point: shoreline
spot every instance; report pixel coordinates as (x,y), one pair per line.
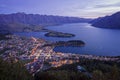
(35,54)
(73,53)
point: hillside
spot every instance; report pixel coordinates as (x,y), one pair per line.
(18,22)
(112,21)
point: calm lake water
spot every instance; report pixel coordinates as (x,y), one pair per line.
(98,41)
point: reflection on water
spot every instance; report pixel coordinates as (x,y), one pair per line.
(98,41)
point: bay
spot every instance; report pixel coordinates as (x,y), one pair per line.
(99,41)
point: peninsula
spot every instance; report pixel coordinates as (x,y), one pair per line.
(73,43)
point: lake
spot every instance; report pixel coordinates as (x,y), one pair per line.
(99,41)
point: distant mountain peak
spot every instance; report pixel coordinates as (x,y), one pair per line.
(20,13)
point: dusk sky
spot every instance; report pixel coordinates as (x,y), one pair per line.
(78,8)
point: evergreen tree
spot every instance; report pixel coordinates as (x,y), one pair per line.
(13,71)
(114,74)
(98,75)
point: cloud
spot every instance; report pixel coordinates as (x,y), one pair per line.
(107,5)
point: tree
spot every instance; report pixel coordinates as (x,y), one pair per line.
(114,74)
(98,75)
(13,71)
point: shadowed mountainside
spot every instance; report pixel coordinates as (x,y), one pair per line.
(18,22)
(112,21)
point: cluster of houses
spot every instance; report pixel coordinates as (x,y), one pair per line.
(37,56)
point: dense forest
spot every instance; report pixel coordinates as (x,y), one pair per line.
(13,71)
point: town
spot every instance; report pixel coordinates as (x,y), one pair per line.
(37,57)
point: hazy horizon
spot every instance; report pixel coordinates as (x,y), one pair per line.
(78,8)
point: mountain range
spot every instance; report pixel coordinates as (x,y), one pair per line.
(18,22)
(112,21)
(22,22)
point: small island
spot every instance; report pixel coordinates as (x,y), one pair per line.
(59,34)
(72,43)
